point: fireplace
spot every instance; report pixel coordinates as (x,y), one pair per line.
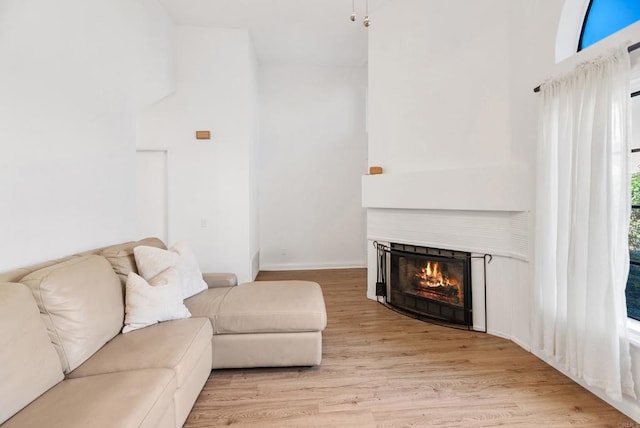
(431,282)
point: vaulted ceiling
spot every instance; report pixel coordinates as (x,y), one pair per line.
(311,32)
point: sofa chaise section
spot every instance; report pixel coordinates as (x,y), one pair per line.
(264,323)
(255,324)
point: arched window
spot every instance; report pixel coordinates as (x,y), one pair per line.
(605,17)
(588,22)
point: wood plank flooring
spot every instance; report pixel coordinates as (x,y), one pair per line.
(382,369)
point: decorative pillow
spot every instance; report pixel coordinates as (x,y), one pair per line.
(147,303)
(121,256)
(193,283)
(151,261)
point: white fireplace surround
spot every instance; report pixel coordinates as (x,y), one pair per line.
(478,210)
(483,188)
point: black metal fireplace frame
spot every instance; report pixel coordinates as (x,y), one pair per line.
(438,254)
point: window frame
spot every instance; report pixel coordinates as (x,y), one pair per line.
(584,25)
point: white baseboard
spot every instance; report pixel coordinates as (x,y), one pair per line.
(255,265)
(311,266)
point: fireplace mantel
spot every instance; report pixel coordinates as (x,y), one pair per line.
(484,210)
(492,188)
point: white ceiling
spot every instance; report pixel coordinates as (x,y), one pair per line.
(313,32)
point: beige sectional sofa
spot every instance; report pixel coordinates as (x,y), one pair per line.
(64,362)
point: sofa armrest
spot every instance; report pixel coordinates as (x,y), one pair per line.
(215,280)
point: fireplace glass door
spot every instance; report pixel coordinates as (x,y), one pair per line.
(432,282)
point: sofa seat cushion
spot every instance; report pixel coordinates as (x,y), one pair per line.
(129,399)
(29,363)
(207,303)
(176,345)
(271,307)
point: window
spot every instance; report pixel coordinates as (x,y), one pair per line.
(605,17)
(633,283)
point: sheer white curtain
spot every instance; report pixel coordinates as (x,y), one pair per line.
(582,219)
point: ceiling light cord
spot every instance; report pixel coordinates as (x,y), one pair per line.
(353,16)
(366,14)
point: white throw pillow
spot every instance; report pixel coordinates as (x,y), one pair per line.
(151,261)
(192,282)
(147,303)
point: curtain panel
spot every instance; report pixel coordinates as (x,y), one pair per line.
(582,219)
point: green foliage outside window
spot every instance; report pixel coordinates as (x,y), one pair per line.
(633,283)
(635,189)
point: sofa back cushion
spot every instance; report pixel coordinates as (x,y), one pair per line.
(29,364)
(122,259)
(81,304)
(16,275)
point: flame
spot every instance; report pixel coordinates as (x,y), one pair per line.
(431,282)
(432,276)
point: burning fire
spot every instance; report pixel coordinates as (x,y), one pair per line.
(431,276)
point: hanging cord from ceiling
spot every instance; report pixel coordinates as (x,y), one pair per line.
(366,14)
(353,16)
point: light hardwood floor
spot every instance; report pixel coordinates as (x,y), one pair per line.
(382,369)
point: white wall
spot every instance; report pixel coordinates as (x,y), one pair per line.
(313,152)
(72,74)
(440,127)
(254,190)
(151,194)
(209,181)
(438,78)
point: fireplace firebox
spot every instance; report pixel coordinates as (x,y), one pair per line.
(431,282)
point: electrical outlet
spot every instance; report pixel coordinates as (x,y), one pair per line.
(204,223)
